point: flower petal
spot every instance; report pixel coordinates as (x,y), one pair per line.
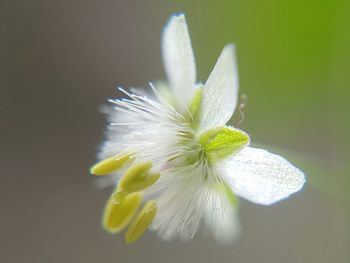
(224,224)
(262,177)
(220,91)
(178,59)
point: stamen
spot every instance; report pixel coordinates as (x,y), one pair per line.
(241,107)
(138,178)
(110,165)
(118,215)
(142,106)
(141,222)
(118,196)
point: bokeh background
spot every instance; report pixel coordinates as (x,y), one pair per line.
(61,60)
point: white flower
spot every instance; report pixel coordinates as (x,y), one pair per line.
(175,152)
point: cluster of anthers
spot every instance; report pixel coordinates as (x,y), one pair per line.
(175,162)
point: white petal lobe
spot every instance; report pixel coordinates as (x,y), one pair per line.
(179,60)
(223,223)
(262,177)
(220,91)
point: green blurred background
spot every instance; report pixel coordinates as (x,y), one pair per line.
(61,59)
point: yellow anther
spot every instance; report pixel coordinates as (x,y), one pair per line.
(134,173)
(111,164)
(137,178)
(118,196)
(143,183)
(141,222)
(118,215)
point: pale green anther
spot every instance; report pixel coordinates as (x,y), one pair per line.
(135,171)
(111,164)
(118,196)
(117,216)
(219,143)
(143,182)
(195,106)
(137,178)
(141,222)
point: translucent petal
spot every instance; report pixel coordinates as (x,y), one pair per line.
(262,177)
(178,59)
(220,91)
(223,222)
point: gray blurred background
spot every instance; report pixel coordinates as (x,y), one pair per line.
(61,60)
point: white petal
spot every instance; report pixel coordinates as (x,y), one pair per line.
(224,224)
(178,59)
(262,177)
(220,91)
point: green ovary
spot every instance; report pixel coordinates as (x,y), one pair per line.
(221,142)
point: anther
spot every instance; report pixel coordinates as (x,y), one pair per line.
(118,196)
(111,164)
(118,215)
(137,178)
(141,222)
